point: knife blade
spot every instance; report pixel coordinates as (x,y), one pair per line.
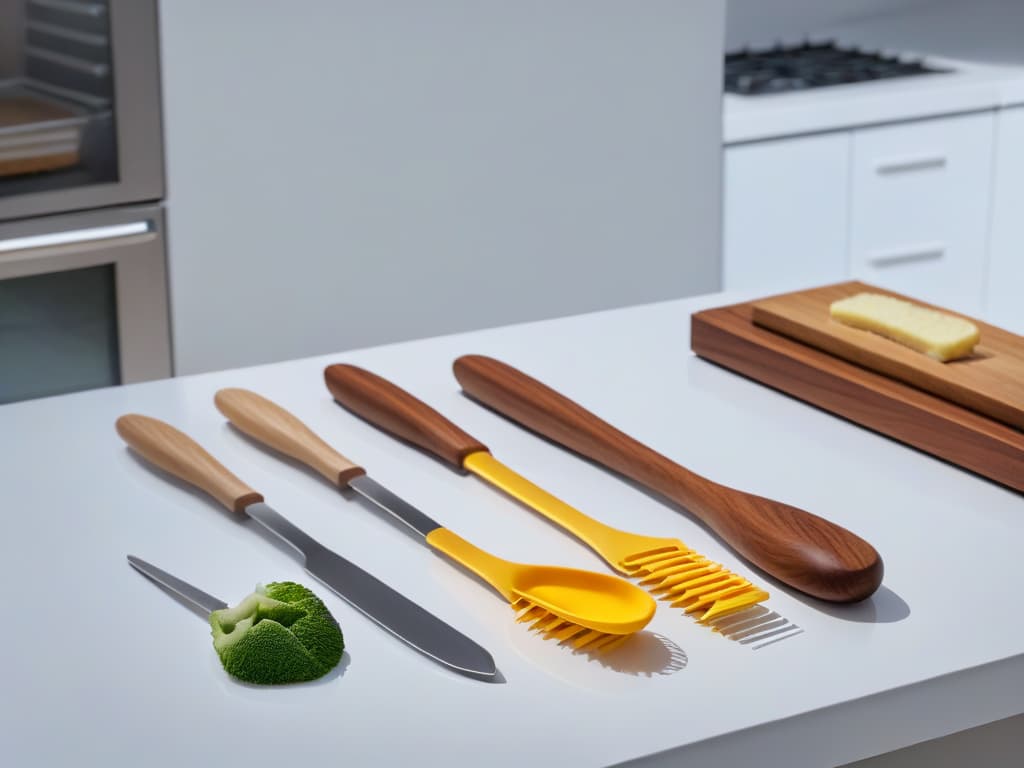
(183,589)
(379,602)
(176,453)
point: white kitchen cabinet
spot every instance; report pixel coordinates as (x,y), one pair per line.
(905,206)
(919,208)
(786,210)
(1006,241)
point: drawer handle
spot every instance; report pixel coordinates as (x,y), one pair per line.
(906,164)
(927,252)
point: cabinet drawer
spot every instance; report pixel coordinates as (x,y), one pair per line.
(919,208)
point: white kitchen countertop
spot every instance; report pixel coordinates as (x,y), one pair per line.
(970,87)
(103,668)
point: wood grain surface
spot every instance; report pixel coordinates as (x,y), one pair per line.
(177,453)
(801,549)
(991,381)
(267,422)
(729,337)
(394,410)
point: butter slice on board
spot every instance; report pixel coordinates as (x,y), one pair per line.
(936,334)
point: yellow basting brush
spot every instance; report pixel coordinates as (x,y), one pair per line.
(667,567)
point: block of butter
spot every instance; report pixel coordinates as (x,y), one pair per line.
(936,334)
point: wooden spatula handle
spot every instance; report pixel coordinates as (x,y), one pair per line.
(272,425)
(396,411)
(803,550)
(177,453)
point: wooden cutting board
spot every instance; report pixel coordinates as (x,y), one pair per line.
(991,381)
(728,336)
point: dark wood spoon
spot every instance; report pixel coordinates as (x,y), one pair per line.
(800,549)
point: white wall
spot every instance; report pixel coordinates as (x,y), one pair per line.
(344,173)
(764,22)
(976,30)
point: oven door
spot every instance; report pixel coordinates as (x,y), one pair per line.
(83,302)
(100,60)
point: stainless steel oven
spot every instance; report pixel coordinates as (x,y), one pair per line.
(89,68)
(83,302)
(83,289)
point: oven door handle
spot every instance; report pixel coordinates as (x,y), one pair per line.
(73,237)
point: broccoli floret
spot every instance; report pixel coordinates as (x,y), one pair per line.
(281,633)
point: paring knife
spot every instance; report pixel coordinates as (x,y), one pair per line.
(178,454)
(183,589)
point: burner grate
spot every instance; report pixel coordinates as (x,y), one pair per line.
(811,65)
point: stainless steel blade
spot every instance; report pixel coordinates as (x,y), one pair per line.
(196,596)
(370,489)
(379,602)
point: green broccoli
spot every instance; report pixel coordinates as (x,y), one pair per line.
(281,633)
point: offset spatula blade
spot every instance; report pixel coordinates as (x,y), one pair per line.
(194,595)
(401,617)
(373,598)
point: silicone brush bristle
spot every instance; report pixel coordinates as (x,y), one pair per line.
(553,627)
(690,581)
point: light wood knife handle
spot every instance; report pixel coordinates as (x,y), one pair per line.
(177,453)
(801,549)
(270,424)
(394,410)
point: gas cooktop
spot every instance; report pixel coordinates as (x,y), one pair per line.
(811,65)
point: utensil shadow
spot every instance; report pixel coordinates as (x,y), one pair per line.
(883,607)
(645,654)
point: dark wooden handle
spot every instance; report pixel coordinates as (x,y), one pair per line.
(800,549)
(177,453)
(396,411)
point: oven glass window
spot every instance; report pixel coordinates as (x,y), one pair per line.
(57,127)
(58,333)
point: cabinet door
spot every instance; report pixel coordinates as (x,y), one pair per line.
(786,208)
(919,208)
(1005,304)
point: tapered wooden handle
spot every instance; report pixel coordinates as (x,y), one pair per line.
(801,549)
(396,411)
(180,455)
(272,425)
